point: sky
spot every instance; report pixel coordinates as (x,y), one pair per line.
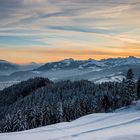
(52,30)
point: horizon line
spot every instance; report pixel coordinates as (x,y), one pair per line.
(67,59)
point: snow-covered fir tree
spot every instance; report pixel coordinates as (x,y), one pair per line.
(128,93)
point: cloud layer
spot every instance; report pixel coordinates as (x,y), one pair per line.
(68,28)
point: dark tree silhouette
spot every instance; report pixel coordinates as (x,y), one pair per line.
(138,88)
(130,74)
(128,91)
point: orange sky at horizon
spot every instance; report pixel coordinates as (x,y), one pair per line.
(44,55)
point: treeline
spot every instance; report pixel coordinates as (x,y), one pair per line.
(40,102)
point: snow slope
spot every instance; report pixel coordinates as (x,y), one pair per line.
(110,78)
(124,124)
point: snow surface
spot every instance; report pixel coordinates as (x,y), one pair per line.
(123,124)
(138,105)
(118,78)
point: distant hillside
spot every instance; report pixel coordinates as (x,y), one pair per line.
(7,66)
(113,69)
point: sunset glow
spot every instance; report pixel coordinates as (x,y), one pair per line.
(51,30)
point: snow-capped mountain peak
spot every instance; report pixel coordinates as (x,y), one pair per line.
(67,61)
(90,63)
(120,61)
(7,66)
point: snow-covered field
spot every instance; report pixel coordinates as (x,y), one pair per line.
(121,125)
(110,78)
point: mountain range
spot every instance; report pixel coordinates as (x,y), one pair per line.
(89,64)
(112,69)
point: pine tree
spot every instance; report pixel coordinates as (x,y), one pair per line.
(19,122)
(138,88)
(129,93)
(130,75)
(8,124)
